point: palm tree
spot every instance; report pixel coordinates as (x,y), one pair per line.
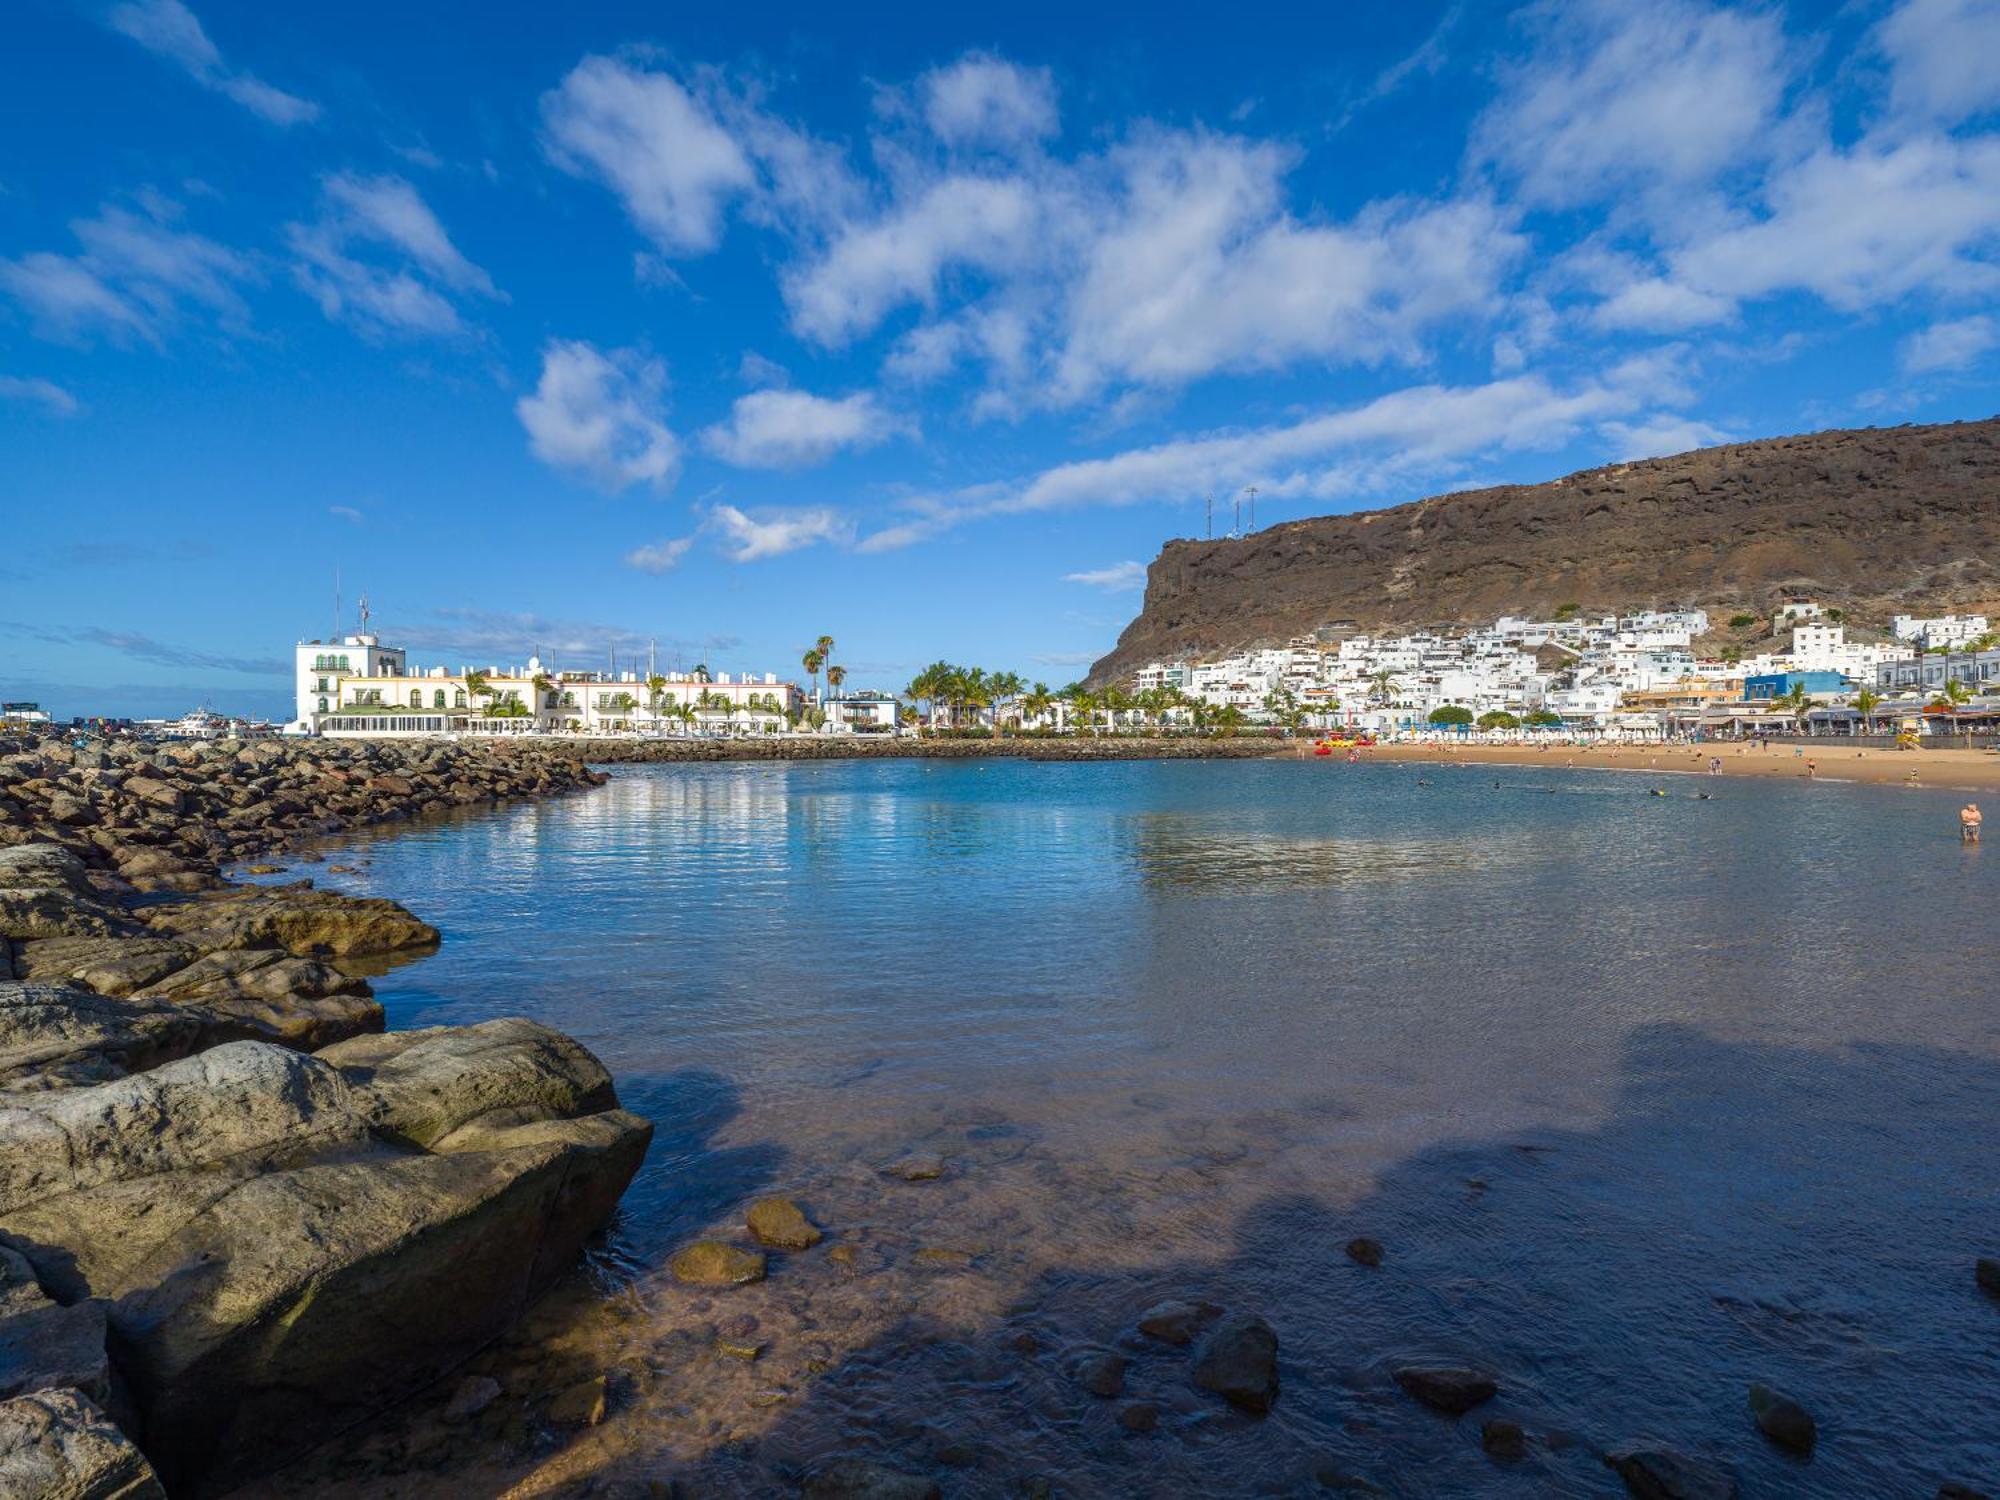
(1003,686)
(1800,703)
(701,672)
(1038,701)
(823,647)
(656,687)
(1385,688)
(835,677)
(812,661)
(476,687)
(1116,701)
(1229,718)
(1083,703)
(1864,704)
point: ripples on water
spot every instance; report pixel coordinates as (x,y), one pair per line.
(1647,1097)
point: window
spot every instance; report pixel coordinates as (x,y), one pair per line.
(437,699)
(458,698)
(322,705)
(416,697)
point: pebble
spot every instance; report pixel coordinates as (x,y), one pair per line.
(1503,1439)
(580,1405)
(474,1394)
(1238,1360)
(1654,1474)
(712,1263)
(1138,1416)
(1783,1420)
(1103,1375)
(1177,1323)
(782,1224)
(919,1166)
(1446,1389)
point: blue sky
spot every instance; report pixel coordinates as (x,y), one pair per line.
(582,326)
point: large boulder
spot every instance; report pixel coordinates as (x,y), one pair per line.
(307,922)
(45,892)
(55,1445)
(445,1087)
(57,1036)
(111,966)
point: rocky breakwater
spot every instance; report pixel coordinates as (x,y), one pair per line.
(235,1217)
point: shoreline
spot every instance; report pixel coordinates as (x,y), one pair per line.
(396,1200)
(1936,770)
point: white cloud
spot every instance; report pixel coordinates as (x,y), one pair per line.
(346,513)
(985,223)
(1418,432)
(34,391)
(137,275)
(782,429)
(1942,55)
(659,557)
(1200,269)
(772,533)
(407,287)
(602,415)
(1660,436)
(1117,578)
(653,143)
(169,29)
(1862,228)
(1956,345)
(1616,98)
(986,100)
(1653,304)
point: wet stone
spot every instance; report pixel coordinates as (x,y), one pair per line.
(1446,1389)
(579,1405)
(918,1166)
(1783,1420)
(1503,1440)
(1139,1416)
(1177,1323)
(1986,1271)
(1654,1474)
(712,1263)
(1103,1375)
(474,1394)
(782,1224)
(861,1479)
(1238,1360)
(1364,1251)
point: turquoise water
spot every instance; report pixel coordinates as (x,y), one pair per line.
(1647,1097)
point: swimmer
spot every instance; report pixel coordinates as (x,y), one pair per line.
(1969,819)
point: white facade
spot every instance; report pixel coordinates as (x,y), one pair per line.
(321,665)
(1938,632)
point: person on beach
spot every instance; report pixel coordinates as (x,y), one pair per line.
(1715,765)
(1812,770)
(1969,819)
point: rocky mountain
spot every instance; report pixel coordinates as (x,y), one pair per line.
(1874,521)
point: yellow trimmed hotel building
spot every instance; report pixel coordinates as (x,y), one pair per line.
(357,686)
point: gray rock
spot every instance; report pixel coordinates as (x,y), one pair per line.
(1446,1388)
(1783,1420)
(1654,1474)
(579,1405)
(1139,1416)
(860,1479)
(1503,1439)
(55,1445)
(1238,1360)
(56,1036)
(918,1166)
(446,1087)
(1365,1252)
(474,1394)
(1177,1323)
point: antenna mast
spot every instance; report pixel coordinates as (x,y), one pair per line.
(1209,532)
(1251,492)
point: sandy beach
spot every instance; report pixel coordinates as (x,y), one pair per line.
(1968,770)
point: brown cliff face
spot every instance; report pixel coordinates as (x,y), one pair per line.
(1876,521)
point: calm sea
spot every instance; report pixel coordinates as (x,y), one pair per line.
(1646,1097)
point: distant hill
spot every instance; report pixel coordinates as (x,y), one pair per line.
(1876,521)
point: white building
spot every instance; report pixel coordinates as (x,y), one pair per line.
(862,713)
(1938,632)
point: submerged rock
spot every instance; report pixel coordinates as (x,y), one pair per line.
(1365,1252)
(474,1394)
(861,1479)
(1103,1375)
(1783,1420)
(919,1166)
(579,1405)
(713,1263)
(1986,1271)
(1238,1360)
(1177,1323)
(1503,1439)
(1654,1474)
(781,1224)
(1446,1388)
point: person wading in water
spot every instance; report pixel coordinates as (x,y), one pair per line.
(1969,819)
